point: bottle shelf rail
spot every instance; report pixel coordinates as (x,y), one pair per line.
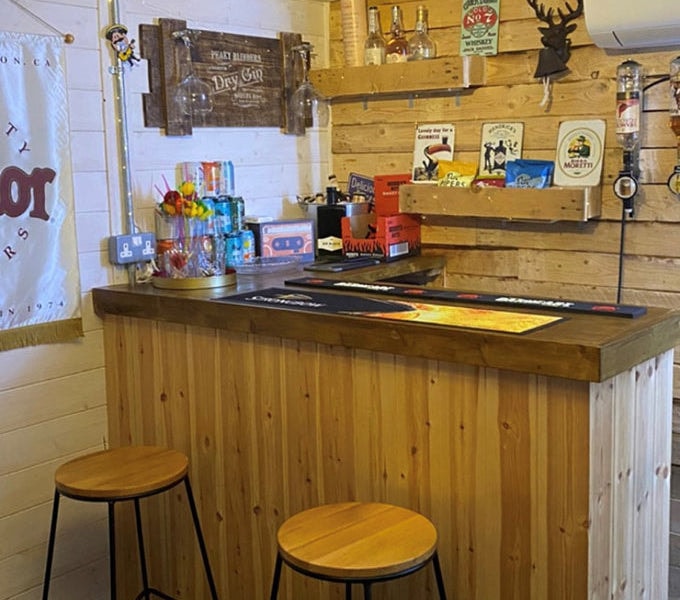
(423,76)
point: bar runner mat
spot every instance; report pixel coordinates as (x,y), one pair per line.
(616,310)
(397,310)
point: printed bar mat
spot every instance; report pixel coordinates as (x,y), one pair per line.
(396,310)
(616,310)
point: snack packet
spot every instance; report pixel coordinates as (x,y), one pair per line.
(456,173)
(527,173)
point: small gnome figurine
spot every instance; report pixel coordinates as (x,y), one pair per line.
(124,47)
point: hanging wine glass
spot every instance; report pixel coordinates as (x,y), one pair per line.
(192,95)
(309,105)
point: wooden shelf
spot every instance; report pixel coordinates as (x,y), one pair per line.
(426,76)
(553,204)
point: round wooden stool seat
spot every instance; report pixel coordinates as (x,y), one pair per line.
(357,543)
(354,540)
(120,473)
(127,474)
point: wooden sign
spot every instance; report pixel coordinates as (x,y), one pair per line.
(250,77)
(244,74)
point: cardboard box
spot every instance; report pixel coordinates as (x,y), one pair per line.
(285,238)
(385,237)
(386,190)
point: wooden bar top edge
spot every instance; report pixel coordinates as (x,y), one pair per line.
(582,347)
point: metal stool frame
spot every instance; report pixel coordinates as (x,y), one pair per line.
(434,559)
(147,590)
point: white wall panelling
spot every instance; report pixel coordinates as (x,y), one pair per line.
(52,404)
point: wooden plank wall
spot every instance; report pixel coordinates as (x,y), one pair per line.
(562,260)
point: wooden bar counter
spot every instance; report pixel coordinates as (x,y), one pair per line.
(543,459)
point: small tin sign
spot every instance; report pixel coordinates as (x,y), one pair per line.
(479,27)
(501,142)
(361,185)
(579,153)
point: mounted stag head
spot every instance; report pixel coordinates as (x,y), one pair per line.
(552,59)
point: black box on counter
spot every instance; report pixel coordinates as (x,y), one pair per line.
(294,237)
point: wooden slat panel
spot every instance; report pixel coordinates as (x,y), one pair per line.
(629,480)
(475,450)
(540,133)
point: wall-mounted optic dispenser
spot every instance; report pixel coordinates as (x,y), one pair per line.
(629,76)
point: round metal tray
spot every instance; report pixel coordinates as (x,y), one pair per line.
(194,283)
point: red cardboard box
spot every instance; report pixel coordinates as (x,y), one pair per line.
(385,237)
(386,190)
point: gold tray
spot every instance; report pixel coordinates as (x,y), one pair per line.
(194,283)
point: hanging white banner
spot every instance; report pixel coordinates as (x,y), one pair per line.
(39,277)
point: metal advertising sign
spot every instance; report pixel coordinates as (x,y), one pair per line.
(479,27)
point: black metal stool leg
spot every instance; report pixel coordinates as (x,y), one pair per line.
(438,576)
(201,542)
(367,590)
(142,552)
(348,591)
(277,577)
(50,546)
(112,550)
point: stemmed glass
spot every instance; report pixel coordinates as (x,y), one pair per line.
(192,95)
(306,101)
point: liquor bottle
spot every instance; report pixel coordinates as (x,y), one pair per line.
(421,46)
(397,45)
(374,47)
(674,108)
(628,104)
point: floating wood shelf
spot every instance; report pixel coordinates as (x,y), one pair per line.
(426,76)
(553,204)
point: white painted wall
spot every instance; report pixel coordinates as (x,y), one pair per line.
(52,397)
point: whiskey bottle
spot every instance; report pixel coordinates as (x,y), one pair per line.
(374,47)
(421,46)
(397,45)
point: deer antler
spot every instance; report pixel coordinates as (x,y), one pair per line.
(539,9)
(572,14)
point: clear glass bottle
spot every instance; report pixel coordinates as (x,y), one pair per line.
(397,45)
(421,46)
(629,78)
(374,46)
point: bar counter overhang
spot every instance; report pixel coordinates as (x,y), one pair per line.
(543,458)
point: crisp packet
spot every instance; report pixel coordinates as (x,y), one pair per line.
(456,173)
(484,182)
(527,173)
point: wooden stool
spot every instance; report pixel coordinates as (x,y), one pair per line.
(128,473)
(359,543)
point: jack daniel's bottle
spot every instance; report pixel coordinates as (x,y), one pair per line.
(397,45)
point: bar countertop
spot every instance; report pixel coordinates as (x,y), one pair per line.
(586,347)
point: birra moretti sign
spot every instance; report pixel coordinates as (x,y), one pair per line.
(39,291)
